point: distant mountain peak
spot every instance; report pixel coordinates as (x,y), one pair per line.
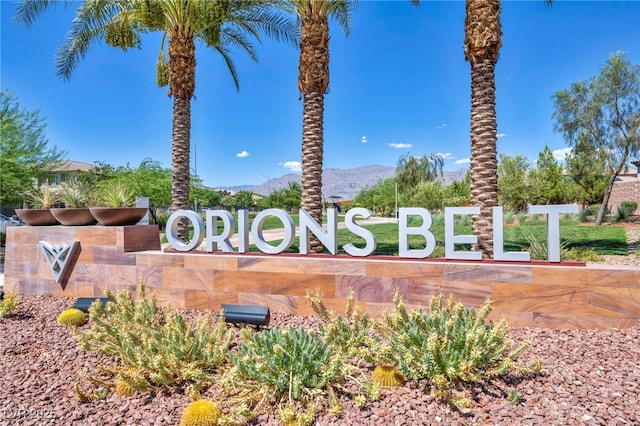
(344,183)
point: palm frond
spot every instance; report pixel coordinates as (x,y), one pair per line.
(232,68)
(88,27)
(30,10)
(233,37)
(259,21)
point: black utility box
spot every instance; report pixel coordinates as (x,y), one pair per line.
(246,314)
(83,303)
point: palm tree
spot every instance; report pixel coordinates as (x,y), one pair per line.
(313,81)
(482,42)
(220,24)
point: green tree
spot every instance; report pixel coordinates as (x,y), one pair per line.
(244,199)
(458,192)
(364,198)
(149,179)
(429,195)
(546,181)
(411,171)
(377,198)
(25,153)
(384,195)
(313,82)
(203,196)
(513,190)
(587,170)
(292,196)
(604,112)
(220,25)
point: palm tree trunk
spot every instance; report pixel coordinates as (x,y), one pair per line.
(313,80)
(180,153)
(182,78)
(484,179)
(312,159)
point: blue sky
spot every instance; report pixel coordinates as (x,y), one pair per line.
(399,84)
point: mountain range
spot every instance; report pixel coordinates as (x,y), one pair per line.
(341,184)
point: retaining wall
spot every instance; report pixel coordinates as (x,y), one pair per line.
(528,294)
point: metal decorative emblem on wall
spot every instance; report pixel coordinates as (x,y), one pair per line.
(61,259)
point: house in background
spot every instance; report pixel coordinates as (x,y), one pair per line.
(63,173)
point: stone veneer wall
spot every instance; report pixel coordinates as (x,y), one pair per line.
(532,295)
(625,191)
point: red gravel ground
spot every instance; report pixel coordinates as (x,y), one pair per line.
(589,378)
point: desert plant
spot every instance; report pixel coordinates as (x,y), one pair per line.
(201,413)
(8,303)
(449,344)
(115,196)
(291,360)
(156,347)
(509,217)
(626,209)
(161,220)
(350,335)
(124,388)
(387,376)
(72,318)
(514,397)
(43,198)
(583,215)
(73,195)
(292,368)
(538,249)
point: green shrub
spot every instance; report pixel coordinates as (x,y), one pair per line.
(8,304)
(438,252)
(538,249)
(290,368)
(162,219)
(293,361)
(579,254)
(509,217)
(583,215)
(626,209)
(350,335)
(72,318)
(156,347)
(449,344)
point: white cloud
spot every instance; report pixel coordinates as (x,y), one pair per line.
(400,145)
(441,126)
(463,161)
(364,139)
(294,166)
(242,154)
(560,154)
(500,135)
(445,156)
